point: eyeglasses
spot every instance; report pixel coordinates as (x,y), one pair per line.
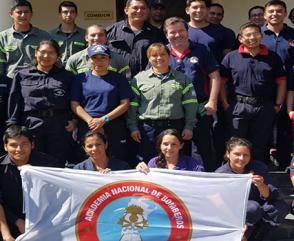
(248,35)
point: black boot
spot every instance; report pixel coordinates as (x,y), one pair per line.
(261,231)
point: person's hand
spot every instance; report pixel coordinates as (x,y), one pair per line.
(210,108)
(71,126)
(8,237)
(258,181)
(187,134)
(136,135)
(20,224)
(95,124)
(142,167)
(104,171)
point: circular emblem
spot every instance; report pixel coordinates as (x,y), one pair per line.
(133,210)
(59,92)
(194,60)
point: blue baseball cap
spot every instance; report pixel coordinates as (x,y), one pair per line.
(98,49)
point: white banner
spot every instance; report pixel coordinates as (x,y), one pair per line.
(69,205)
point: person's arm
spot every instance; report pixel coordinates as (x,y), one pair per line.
(6,235)
(215,82)
(281,93)
(290,102)
(262,187)
(132,115)
(189,103)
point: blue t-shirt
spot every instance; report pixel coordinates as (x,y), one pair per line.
(99,95)
(113,164)
(212,36)
(185,163)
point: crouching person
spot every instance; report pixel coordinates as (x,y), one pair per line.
(265,208)
(19,145)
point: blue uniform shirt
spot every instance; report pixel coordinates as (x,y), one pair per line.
(197,63)
(10,183)
(212,36)
(99,95)
(185,163)
(133,46)
(113,164)
(281,44)
(35,90)
(253,76)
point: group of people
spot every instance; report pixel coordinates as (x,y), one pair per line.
(147,93)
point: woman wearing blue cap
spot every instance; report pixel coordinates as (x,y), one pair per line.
(100,98)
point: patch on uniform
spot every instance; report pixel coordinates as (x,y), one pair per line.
(194,60)
(60,43)
(176,86)
(59,92)
(291,42)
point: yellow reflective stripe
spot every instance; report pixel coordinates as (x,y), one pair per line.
(124,69)
(82,69)
(190,101)
(34,46)
(112,69)
(135,90)
(79,43)
(187,88)
(10,48)
(135,104)
(3,61)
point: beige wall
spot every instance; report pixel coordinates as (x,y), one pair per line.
(236,11)
(46,12)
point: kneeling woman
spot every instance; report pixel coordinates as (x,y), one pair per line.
(169,145)
(265,208)
(95,146)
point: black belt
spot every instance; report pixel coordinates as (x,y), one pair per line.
(163,122)
(47,113)
(249,100)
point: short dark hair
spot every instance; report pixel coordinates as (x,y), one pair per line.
(237,141)
(91,134)
(172,21)
(67,4)
(253,8)
(276,2)
(207,2)
(17,131)
(96,26)
(290,14)
(21,3)
(161,161)
(128,2)
(217,5)
(249,25)
(52,43)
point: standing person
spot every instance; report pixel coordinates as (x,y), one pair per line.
(18,142)
(131,37)
(279,38)
(265,208)
(197,62)
(169,145)
(70,37)
(256,15)
(95,146)
(164,99)
(5,83)
(40,99)
(215,16)
(257,88)
(201,31)
(95,34)
(100,98)
(18,43)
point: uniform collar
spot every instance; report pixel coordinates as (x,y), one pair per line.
(150,73)
(183,55)
(126,26)
(265,29)
(75,30)
(263,50)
